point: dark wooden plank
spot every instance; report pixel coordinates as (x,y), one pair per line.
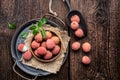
(102,17)
(114,40)
(19,12)
(78,70)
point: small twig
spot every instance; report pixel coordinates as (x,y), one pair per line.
(50,8)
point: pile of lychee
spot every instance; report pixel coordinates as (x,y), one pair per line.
(46,48)
(75,21)
(86,46)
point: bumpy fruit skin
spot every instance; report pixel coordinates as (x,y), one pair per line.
(43,44)
(41,51)
(56,50)
(48,55)
(48,35)
(38,37)
(86,60)
(27,55)
(74,25)
(50,44)
(75,46)
(55,39)
(22,48)
(36,53)
(75,18)
(86,47)
(35,44)
(79,33)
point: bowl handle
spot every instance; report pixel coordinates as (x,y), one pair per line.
(49,16)
(21,74)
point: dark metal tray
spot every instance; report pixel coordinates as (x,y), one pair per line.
(16,55)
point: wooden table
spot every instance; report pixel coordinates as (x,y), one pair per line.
(103,20)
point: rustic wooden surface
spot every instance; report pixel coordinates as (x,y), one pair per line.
(103,20)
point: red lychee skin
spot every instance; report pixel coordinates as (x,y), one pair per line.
(56,50)
(20,47)
(74,25)
(43,44)
(55,39)
(48,55)
(79,33)
(75,46)
(75,18)
(27,55)
(50,44)
(41,51)
(86,60)
(36,53)
(38,37)
(35,45)
(86,47)
(48,35)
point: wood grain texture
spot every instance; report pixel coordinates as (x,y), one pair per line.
(101,17)
(103,21)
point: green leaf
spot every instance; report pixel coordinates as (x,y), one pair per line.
(39,24)
(24,34)
(42,22)
(35,32)
(43,33)
(11,26)
(32,27)
(38,27)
